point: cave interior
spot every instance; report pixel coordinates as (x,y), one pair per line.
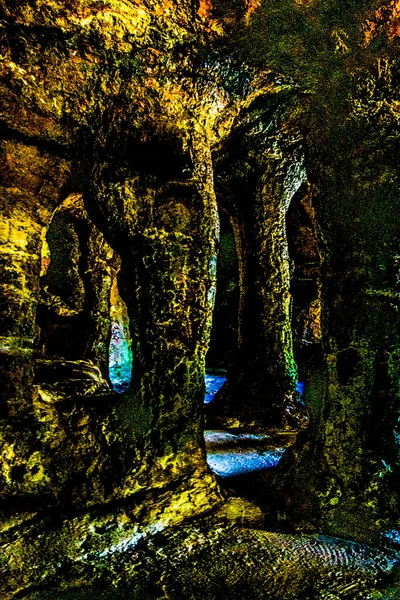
(200,345)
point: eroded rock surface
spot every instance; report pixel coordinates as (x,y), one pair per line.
(233,562)
(126,128)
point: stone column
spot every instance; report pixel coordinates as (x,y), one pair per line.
(165,234)
(261,386)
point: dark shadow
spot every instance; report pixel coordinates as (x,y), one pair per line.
(224,333)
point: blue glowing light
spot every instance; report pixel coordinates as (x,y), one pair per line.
(213,384)
(120,359)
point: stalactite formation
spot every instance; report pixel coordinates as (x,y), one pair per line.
(190,189)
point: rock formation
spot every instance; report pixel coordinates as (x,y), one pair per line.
(127,127)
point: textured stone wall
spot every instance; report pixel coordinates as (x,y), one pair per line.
(349,486)
(257,175)
(102,103)
(31,184)
(125,127)
(78,268)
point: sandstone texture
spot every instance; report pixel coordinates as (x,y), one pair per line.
(130,131)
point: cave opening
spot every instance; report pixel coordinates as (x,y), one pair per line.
(82,320)
(120,349)
(64,330)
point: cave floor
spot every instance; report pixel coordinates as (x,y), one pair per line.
(243,461)
(234,552)
(245,464)
(212,558)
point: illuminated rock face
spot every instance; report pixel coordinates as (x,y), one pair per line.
(126,128)
(98,105)
(257,177)
(108,141)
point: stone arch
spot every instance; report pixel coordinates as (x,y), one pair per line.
(256,181)
(81,316)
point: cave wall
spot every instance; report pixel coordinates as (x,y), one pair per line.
(100,103)
(78,270)
(139,113)
(345,473)
(31,183)
(129,118)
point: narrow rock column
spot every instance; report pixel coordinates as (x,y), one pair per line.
(100,265)
(239,236)
(166,235)
(261,385)
(279,182)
